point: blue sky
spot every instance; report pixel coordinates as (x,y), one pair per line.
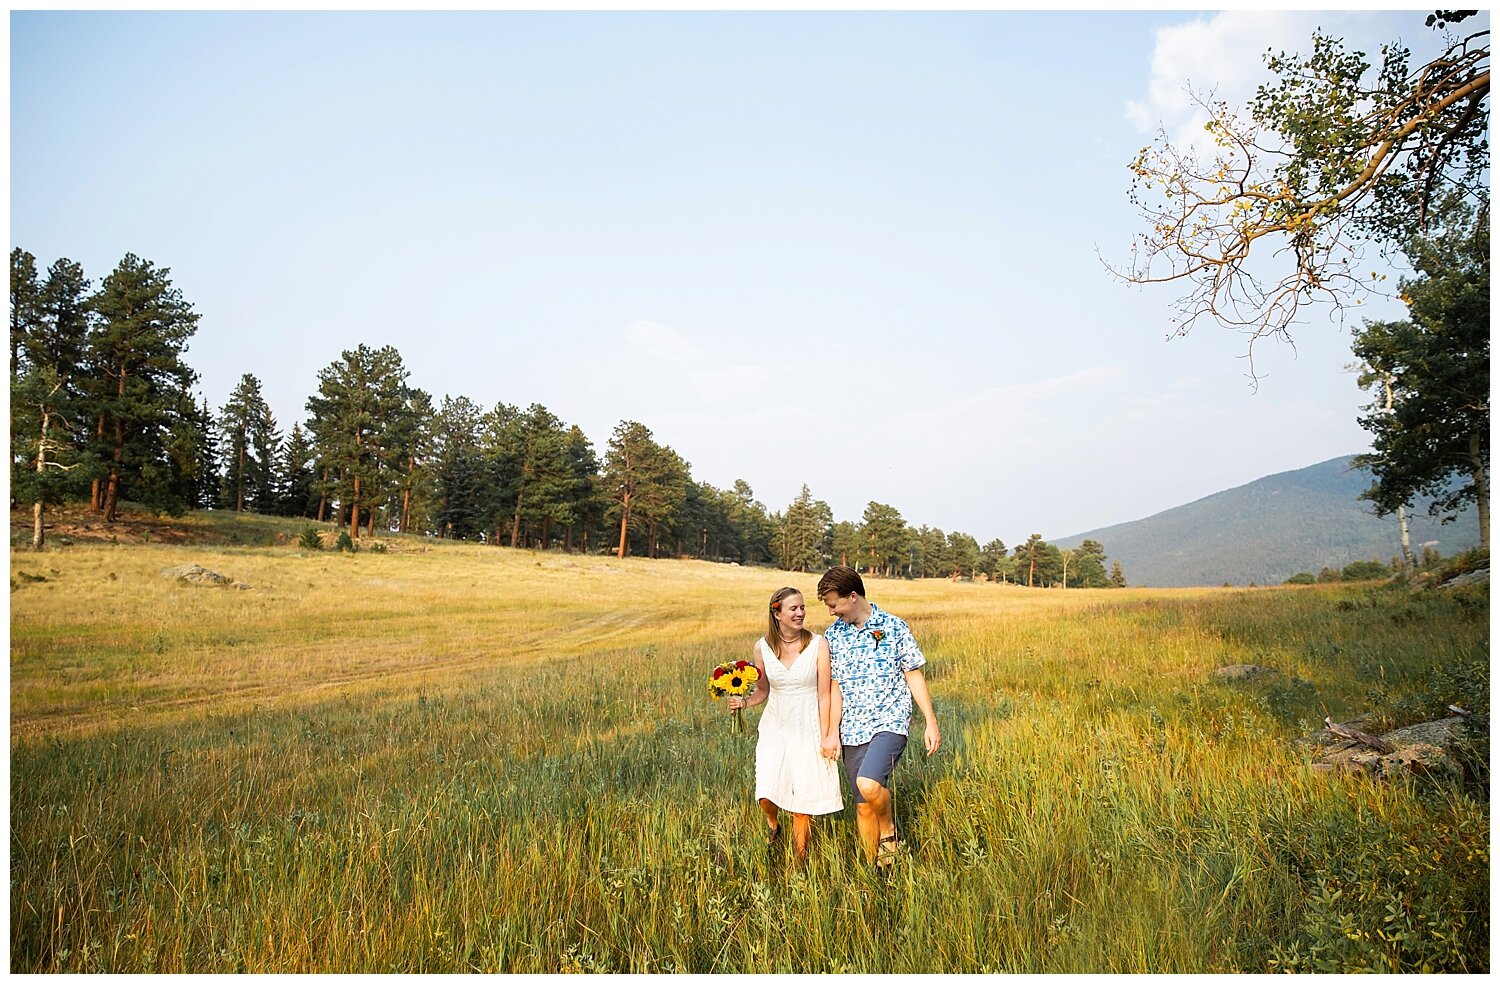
(856,251)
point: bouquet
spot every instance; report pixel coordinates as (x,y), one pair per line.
(735,678)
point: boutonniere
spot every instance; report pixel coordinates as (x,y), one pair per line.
(877,635)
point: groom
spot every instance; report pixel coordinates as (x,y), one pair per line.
(876,669)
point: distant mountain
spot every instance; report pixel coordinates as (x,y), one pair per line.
(1270,529)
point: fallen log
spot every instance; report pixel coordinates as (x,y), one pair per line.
(1354,734)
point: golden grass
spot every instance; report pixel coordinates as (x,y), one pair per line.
(464,758)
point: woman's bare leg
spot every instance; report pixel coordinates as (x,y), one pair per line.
(772,812)
(801,832)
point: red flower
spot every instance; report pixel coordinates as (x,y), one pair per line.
(877,635)
(740,664)
(718,672)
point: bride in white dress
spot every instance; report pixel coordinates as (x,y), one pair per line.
(796,767)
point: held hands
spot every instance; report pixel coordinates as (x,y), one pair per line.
(832,749)
(737,703)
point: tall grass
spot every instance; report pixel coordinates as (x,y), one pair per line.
(493,760)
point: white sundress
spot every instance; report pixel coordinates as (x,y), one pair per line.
(790,769)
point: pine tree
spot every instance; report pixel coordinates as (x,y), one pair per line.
(963,555)
(48,322)
(545,480)
(358,396)
(1028,556)
(135,356)
(458,470)
(584,507)
(995,561)
(802,531)
(237,418)
(884,535)
(207,480)
(25,306)
(411,448)
(298,498)
(644,480)
(265,449)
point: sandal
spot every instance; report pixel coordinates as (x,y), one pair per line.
(885,852)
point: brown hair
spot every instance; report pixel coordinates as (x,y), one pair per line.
(773,627)
(843,580)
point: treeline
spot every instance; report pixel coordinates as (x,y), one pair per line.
(102,411)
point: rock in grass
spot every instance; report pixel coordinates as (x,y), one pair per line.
(196,574)
(1241,671)
(1424,749)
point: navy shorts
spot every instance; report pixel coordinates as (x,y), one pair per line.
(875,759)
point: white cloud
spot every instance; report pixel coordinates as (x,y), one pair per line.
(661,340)
(1221,55)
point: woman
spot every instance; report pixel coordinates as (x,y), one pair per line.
(792,770)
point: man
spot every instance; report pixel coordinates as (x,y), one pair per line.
(876,670)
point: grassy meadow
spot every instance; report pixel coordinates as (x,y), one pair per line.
(449,757)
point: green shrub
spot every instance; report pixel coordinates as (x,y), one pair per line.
(377,547)
(346,543)
(1386,893)
(1366,570)
(310,539)
(1302,577)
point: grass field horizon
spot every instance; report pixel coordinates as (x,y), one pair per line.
(451,757)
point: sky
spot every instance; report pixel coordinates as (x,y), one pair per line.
(856,251)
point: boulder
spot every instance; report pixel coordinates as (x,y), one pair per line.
(1242,671)
(1420,759)
(1444,733)
(196,574)
(1423,749)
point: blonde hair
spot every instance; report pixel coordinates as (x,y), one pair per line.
(773,628)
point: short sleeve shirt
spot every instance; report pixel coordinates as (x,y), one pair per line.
(870,666)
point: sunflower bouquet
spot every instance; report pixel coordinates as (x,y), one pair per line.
(735,678)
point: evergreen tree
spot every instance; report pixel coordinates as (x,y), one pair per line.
(644,481)
(25,306)
(751,522)
(884,536)
(240,416)
(584,509)
(546,477)
(358,396)
(207,477)
(1028,556)
(500,443)
(846,542)
(176,477)
(411,443)
(660,497)
(964,556)
(265,447)
(135,356)
(932,552)
(1117,575)
(458,470)
(48,322)
(1087,567)
(995,561)
(296,473)
(802,531)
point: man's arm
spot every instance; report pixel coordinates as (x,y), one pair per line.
(917,683)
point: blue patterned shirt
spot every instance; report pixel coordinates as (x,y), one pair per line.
(871,674)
